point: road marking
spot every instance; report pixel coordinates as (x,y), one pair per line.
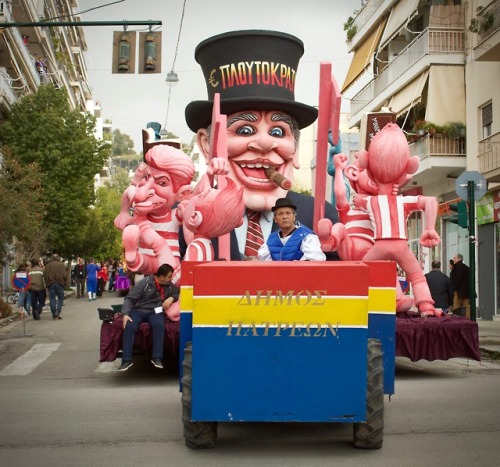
(27,362)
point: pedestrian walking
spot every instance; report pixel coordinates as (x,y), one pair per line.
(56,276)
(460,281)
(92,270)
(80,274)
(440,287)
(37,288)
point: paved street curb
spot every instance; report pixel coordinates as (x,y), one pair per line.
(15,316)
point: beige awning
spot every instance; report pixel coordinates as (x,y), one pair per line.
(446,95)
(363,55)
(409,96)
(401,13)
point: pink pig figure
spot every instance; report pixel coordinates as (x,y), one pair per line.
(210,213)
(388,164)
(352,237)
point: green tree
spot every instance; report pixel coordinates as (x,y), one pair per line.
(43,129)
(122,144)
(102,238)
(22,209)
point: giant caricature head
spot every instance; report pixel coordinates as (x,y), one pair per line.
(388,161)
(254,72)
(168,170)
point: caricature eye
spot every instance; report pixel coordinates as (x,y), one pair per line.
(277,132)
(245,130)
(162,182)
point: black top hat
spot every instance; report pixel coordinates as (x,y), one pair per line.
(252,69)
(283,203)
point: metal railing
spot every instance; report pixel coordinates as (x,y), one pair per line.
(367,12)
(489,154)
(493,11)
(438,145)
(431,41)
(6,91)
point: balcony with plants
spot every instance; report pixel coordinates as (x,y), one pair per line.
(429,139)
(486,26)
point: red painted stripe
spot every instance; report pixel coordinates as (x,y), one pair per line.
(231,278)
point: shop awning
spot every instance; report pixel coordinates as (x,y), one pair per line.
(401,13)
(446,95)
(409,96)
(363,55)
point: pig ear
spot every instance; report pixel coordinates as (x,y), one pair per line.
(413,163)
(352,172)
(363,159)
(196,219)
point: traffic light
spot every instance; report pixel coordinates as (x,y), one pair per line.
(461,217)
(150,52)
(123,52)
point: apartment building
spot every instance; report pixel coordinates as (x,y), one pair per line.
(32,55)
(434,63)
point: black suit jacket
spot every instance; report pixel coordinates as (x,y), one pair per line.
(440,288)
(305,215)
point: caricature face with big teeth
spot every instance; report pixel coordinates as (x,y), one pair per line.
(257,140)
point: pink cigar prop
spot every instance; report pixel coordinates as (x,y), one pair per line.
(277,178)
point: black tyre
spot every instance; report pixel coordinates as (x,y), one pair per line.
(12,299)
(197,435)
(370,434)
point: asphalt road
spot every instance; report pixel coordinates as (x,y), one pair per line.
(59,406)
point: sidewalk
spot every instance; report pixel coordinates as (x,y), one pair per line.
(489,337)
(16,317)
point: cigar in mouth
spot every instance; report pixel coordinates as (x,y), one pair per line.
(277,178)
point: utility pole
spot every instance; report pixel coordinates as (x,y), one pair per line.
(471,185)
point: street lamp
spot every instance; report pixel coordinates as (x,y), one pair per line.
(172,78)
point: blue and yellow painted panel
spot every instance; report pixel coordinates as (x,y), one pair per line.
(280,341)
(382,315)
(283,341)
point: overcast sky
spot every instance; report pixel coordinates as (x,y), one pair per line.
(131,101)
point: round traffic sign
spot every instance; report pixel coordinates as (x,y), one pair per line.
(21,280)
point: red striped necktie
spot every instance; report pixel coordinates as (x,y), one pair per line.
(254,233)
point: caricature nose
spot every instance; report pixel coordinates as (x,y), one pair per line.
(263,143)
(144,190)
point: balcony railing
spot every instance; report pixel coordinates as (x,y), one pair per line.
(431,41)
(493,11)
(6,88)
(367,12)
(489,154)
(437,145)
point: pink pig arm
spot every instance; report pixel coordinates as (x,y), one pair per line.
(340,163)
(429,205)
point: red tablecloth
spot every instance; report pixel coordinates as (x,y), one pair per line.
(436,338)
(112,333)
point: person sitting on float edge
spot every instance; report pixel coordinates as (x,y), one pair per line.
(147,301)
(292,241)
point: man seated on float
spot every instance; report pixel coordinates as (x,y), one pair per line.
(292,241)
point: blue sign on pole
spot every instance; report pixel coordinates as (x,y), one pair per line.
(20,281)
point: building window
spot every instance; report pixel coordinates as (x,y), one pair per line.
(486,120)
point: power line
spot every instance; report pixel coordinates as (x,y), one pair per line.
(173,63)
